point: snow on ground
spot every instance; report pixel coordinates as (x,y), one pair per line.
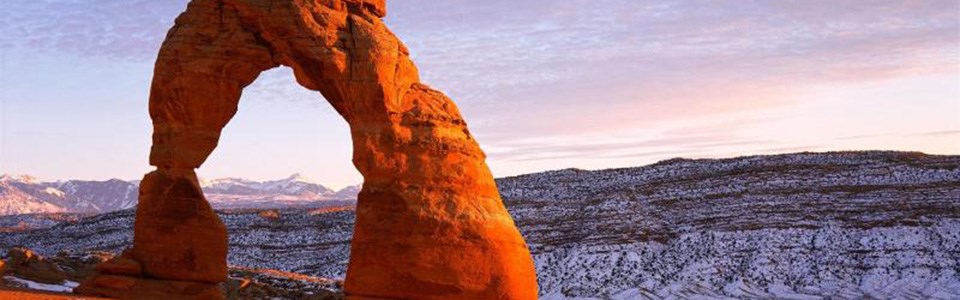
(65,287)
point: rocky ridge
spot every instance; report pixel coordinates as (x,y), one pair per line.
(845,225)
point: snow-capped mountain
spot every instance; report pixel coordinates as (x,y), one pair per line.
(295,190)
(294,185)
(350,192)
(97,196)
(846,225)
(14,201)
(26,195)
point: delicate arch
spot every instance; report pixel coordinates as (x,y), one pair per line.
(430,222)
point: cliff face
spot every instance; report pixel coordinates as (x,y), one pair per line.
(846,225)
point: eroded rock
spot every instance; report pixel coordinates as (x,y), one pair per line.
(430,222)
(24,263)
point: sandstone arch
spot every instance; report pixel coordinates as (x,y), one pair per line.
(430,222)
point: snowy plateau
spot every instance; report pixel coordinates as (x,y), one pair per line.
(839,225)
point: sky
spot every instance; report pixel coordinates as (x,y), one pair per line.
(543,84)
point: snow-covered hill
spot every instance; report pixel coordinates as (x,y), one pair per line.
(847,225)
(851,225)
(26,195)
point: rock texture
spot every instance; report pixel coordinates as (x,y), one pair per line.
(841,225)
(24,263)
(25,269)
(41,277)
(430,222)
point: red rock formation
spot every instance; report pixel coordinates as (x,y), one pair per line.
(430,222)
(23,263)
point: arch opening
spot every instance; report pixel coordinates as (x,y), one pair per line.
(279,129)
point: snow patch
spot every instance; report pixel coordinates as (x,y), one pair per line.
(65,287)
(54,192)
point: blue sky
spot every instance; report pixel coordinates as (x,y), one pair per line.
(542,84)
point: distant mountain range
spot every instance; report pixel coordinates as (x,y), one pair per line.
(841,225)
(26,195)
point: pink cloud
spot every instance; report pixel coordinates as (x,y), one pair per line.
(574,71)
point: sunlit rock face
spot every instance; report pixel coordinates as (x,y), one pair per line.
(430,222)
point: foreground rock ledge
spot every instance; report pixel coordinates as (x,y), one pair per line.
(430,222)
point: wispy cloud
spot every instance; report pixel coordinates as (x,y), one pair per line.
(543,82)
(540,42)
(579,67)
(117,29)
(943,133)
